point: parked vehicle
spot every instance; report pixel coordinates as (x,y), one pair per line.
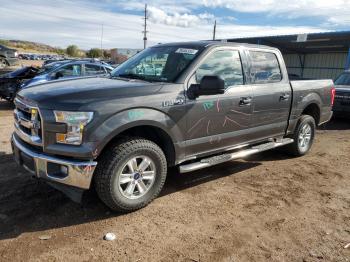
(10,83)
(342,95)
(213,102)
(8,56)
(27,77)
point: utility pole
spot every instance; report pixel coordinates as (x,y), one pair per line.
(214,31)
(145,29)
(101,41)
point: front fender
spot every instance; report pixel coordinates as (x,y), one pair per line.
(127,119)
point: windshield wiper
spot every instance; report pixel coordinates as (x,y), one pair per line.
(133,76)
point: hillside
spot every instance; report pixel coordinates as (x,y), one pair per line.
(30,47)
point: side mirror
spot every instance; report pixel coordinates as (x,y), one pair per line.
(209,85)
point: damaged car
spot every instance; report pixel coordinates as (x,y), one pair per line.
(27,77)
(10,83)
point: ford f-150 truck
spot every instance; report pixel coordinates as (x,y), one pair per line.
(208,103)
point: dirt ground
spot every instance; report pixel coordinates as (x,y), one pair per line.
(270,207)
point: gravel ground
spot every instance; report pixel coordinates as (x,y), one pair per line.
(267,208)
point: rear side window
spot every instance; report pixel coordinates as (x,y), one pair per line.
(91,70)
(265,67)
(225,64)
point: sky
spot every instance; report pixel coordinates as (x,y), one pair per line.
(65,22)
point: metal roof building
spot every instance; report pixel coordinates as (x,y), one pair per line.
(315,55)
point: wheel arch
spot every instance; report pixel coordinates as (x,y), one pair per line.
(313,110)
(150,124)
(150,132)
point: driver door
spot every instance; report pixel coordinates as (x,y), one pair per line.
(215,122)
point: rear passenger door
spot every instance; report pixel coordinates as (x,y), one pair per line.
(272,93)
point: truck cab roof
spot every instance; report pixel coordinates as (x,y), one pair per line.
(212,43)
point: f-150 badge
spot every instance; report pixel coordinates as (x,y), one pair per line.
(174,102)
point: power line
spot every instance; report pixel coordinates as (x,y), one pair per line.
(145,29)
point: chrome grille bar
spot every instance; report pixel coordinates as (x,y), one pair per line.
(28,123)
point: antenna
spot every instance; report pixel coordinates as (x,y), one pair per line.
(214,30)
(145,29)
(101,41)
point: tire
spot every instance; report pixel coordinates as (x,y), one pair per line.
(122,182)
(298,148)
(3,63)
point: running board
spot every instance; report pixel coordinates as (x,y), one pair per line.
(214,160)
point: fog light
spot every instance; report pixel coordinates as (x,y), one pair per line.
(64,170)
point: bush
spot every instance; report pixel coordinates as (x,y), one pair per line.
(94,53)
(72,50)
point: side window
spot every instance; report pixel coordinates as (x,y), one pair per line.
(265,67)
(225,64)
(69,70)
(91,70)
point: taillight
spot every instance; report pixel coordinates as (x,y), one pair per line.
(332,95)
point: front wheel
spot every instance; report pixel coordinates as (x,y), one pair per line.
(130,174)
(303,136)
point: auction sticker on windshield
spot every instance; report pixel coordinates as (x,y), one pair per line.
(186,51)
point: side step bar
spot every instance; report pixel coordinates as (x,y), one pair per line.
(214,160)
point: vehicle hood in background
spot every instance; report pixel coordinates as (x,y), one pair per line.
(22,73)
(342,88)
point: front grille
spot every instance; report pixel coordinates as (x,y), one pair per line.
(342,96)
(28,122)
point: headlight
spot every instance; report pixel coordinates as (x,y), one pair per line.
(76,121)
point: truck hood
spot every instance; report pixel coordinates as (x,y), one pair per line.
(342,88)
(73,94)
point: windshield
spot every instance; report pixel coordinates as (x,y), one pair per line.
(343,79)
(47,68)
(159,64)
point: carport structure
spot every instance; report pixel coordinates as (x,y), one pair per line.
(314,56)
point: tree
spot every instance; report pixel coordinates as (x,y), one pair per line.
(107,54)
(94,53)
(72,50)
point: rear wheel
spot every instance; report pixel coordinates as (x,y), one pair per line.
(303,136)
(130,174)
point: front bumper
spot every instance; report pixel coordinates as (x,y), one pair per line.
(68,172)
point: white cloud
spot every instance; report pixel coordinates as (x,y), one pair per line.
(76,22)
(158,16)
(334,12)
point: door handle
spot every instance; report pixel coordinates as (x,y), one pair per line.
(284,97)
(245,101)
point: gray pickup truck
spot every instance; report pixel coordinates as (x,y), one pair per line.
(204,103)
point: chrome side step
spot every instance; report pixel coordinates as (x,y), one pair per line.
(214,160)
